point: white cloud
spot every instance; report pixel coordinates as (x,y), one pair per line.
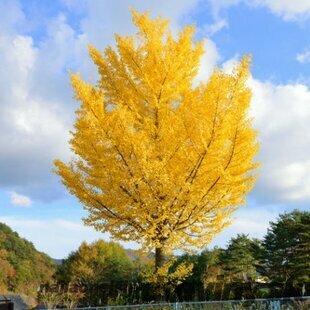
(207,61)
(251,221)
(217,26)
(33,127)
(105,18)
(282,115)
(230,64)
(304,57)
(218,4)
(20,200)
(295,180)
(287,9)
(13,16)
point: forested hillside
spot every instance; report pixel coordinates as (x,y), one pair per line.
(22,267)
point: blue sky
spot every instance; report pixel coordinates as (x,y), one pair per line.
(40,41)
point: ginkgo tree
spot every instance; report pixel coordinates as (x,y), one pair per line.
(159,159)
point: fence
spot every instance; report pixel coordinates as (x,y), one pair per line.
(298,303)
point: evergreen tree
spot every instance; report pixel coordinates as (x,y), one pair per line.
(287,254)
(240,262)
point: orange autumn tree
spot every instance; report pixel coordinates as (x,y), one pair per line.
(159,160)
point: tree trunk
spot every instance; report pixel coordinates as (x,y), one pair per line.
(160,287)
(159,258)
(222,289)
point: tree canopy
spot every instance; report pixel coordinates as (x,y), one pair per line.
(97,268)
(287,252)
(157,159)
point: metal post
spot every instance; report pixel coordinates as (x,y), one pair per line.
(275,305)
(177,306)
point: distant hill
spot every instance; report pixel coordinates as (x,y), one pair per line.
(57,261)
(133,255)
(22,267)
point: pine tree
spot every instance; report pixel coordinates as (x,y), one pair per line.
(287,252)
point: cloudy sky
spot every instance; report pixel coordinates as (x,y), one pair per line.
(41,41)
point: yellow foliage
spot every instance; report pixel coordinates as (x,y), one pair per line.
(163,276)
(158,160)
